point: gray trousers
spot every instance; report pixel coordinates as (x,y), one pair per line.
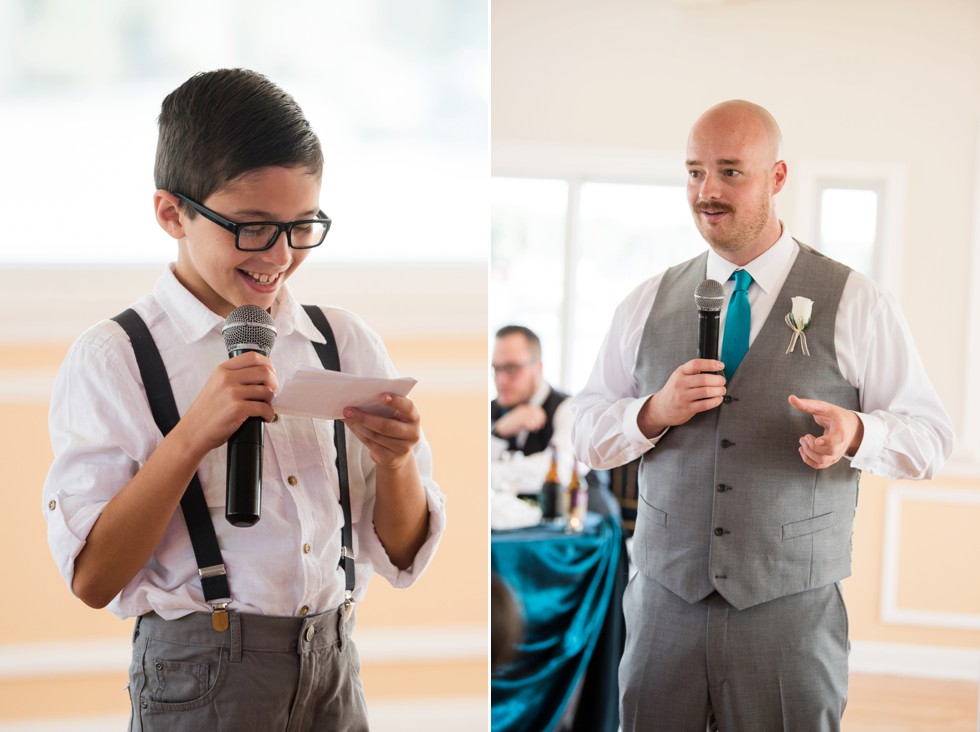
(262,673)
(781,665)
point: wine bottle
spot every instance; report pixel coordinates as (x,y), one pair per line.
(551,493)
(578,502)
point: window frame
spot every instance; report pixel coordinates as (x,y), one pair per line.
(888,180)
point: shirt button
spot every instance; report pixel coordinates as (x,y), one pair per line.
(304,610)
(275,417)
(51,505)
(292,480)
(307,548)
(719,531)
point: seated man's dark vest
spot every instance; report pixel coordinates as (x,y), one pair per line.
(536,441)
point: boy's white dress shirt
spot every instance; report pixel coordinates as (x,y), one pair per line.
(102,432)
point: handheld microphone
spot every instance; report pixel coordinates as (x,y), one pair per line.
(709,296)
(248,328)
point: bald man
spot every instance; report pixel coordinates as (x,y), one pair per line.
(748,482)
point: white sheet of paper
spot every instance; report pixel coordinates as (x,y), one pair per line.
(322,394)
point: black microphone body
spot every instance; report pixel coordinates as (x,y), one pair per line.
(248,328)
(708,297)
(709,322)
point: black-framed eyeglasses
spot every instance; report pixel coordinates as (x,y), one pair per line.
(256,236)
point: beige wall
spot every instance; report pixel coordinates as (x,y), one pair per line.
(424,645)
(857,82)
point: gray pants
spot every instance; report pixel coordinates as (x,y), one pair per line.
(781,665)
(262,673)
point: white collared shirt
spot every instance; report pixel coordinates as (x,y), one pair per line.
(102,431)
(907,432)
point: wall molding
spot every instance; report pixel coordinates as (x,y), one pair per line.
(54,304)
(970,433)
(903,659)
(26,387)
(386,715)
(375,645)
(896,497)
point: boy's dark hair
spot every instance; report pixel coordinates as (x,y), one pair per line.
(533,342)
(220,124)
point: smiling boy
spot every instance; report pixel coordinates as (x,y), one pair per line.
(238,174)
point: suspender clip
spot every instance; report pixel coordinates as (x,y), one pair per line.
(219,616)
(348,604)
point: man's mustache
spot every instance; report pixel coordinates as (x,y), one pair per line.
(713,207)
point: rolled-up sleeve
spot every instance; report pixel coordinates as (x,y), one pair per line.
(436,503)
(96,435)
(374,360)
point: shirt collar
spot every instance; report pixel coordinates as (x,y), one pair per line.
(194,320)
(540,396)
(767,270)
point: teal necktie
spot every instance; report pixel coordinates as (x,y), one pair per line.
(738,321)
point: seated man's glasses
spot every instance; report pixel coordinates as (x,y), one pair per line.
(509,369)
(255,236)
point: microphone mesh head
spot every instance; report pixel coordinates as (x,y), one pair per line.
(709,295)
(249,328)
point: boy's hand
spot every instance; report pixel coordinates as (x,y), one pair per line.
(389,439)
(238,388)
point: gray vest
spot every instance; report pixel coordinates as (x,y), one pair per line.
(726,502)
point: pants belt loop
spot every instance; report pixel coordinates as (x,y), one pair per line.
(341,628)
(236,637)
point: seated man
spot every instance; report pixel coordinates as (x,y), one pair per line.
(527,417)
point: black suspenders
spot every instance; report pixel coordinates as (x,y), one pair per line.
(330,359)
(211,568)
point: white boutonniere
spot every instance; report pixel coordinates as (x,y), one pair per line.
(798,320)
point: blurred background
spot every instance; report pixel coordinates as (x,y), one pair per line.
(398,94)
(879,105)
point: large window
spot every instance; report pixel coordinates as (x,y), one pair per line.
(629,232)
(527,260)
(565,252)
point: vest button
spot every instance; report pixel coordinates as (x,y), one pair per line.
(727,443)
(722,488)
(727,399)
(719,531)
